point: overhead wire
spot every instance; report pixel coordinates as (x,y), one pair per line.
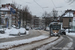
(70,2)
(53,3)
(38,4)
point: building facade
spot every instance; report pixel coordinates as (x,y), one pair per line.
(67,18)
(8,15)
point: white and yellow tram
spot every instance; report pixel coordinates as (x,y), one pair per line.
(55,28)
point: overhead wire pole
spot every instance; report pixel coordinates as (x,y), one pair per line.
(0,12)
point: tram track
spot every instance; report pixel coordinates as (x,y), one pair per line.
(34,44)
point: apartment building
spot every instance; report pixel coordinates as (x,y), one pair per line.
(8,15)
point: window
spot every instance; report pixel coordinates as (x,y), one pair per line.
(56,27)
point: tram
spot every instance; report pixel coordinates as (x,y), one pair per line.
(55,28)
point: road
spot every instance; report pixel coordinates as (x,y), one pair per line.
(32,33)
(73,46)
(68,43)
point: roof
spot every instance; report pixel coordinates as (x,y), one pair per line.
(67,14)
(54,23)
(4,9)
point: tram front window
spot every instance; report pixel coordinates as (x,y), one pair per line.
(56,27)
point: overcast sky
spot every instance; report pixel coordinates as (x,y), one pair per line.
(38,7)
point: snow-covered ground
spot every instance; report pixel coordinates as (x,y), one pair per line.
(70,33)
(6,35)
(12,31)
(17,42)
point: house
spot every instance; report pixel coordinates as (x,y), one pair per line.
(67,19)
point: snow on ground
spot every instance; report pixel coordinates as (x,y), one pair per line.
(12,31)
(70,33)
(17,42)
(34,45)
(5,36)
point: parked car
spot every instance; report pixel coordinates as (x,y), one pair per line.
(17,32)
(2,29)
(27,28)
(63,32)
(22,30)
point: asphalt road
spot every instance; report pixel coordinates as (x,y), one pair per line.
(32,33)
(68,43)
(73,46)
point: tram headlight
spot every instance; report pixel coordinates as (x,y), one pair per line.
(55,32)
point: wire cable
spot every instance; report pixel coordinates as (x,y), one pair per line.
(53,3)
(38,4)
(71,2)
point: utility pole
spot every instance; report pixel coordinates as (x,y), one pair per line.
(0,15)
(0,12)
(19,22)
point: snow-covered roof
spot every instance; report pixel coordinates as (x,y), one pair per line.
(4,9)
(68,14)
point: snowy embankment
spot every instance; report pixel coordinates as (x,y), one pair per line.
(18,42)
(6,35)
(70,33)
(13,31)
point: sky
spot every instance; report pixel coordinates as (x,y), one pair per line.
(38,7)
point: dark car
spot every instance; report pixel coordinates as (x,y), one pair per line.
(2,29)
(63,32)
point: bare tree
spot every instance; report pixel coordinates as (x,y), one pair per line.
(47,17)
(55,14)
(26,16)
